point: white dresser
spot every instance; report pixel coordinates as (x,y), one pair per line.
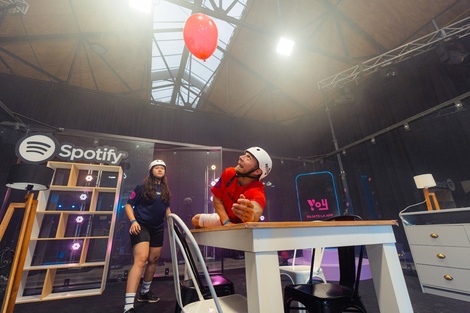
(440,245)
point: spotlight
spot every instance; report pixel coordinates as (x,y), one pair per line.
(213,167)
(285,46)
(89,178)
(83,196)
(388,72)
(458,105)
(406,126)
(79,219)
(372,140)
(75,246)
(144,6)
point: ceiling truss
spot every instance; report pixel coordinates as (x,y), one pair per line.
(457,30)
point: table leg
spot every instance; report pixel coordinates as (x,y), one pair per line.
(389,283)
(263,282)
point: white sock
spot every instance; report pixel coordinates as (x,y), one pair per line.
(129,301)
(145,287)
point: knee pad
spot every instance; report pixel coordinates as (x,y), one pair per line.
(209,220)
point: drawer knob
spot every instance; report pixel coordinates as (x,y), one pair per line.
(448,277)
(434,236)
(441,256)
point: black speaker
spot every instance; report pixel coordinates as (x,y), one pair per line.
(453,52)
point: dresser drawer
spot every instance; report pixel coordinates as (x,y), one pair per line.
(458,279)
(442,256)
(448,235)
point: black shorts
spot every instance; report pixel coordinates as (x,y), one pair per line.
(153,236)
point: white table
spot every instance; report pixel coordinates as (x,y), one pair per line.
(261,242)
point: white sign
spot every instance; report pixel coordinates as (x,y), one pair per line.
(39,148)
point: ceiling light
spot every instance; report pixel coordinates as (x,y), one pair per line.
(285,46)
(141,5)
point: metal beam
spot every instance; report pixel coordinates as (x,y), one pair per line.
(460,99)
(459,29)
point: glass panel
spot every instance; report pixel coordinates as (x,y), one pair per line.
(77,279)
(50,252)
(168,47)
(78,225)
(87,178)
(84,225)
(7,255)
(108,179)
(34,283)
(8,246)
(105,201)
(97,250)
(49,225)
(61,177)
(100,225)
(69,201)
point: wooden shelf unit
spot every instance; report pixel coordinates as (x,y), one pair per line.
(70,246)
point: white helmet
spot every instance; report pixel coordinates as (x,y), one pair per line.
(155,163)
(264,160)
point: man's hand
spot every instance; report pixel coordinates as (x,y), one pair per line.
(244,209)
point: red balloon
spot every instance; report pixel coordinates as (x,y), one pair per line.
(200,35)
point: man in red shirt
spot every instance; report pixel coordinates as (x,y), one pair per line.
(239,194)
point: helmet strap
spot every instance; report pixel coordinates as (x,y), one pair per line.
(248,174)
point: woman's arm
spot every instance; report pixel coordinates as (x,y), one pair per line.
(135,227)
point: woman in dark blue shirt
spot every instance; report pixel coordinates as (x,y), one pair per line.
(146,209)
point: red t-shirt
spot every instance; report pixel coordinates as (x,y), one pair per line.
(228,190)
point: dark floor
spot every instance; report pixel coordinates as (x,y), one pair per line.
(112,300)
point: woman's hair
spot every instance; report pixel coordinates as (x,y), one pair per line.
(150,189)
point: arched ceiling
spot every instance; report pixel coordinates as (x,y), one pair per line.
(105,46)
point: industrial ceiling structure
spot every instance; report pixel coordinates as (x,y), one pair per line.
(108,46)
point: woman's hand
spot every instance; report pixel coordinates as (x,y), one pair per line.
(135,228)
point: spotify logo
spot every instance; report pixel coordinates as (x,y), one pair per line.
(39,148)
(36,148)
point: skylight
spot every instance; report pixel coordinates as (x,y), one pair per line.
(179,78)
